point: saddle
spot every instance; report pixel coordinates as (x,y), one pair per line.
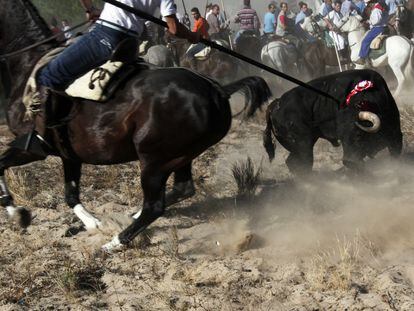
(98,84)
(378,42)
(377,46)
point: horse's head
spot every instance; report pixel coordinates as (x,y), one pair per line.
(313,24)
(351,23)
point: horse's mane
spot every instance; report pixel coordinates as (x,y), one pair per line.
(26,24)
(36,19)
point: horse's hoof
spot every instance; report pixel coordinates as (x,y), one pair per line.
(72,231)
(114,246)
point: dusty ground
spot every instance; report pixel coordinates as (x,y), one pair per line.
(329,243)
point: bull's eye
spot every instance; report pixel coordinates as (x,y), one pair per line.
(363,105)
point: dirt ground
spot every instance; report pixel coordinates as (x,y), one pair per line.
(327,243)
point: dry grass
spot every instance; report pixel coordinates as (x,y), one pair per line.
(333,269)
(79,276)
(247,178)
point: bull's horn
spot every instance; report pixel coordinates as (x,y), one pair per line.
(371,117)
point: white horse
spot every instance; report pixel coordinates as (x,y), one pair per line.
(398,50)
(280,55)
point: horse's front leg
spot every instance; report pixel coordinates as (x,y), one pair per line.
(153,183)
(15,157)
(72,170)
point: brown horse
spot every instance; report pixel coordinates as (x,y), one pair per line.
(250,45)
(162,117)
(217,65)
(317,56)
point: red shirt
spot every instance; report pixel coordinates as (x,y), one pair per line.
(201,26)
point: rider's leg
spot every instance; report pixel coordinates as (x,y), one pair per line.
(365,44)
(88,52)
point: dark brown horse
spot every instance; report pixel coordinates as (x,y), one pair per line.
(250,45)
(217,65)
(164,118)
(317,56)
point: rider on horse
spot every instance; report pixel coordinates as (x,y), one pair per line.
(378,23)
(248,20)
(95,47)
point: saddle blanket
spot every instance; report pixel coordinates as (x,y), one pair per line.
(377,43)
(96,85)
(93,84)
(205,53)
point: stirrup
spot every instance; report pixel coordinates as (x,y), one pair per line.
(32,143)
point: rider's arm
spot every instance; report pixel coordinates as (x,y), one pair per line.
(180,31)
(328,22)
(92,13)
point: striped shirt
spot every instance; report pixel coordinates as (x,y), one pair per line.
(248,19)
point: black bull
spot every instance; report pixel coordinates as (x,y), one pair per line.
(300,117)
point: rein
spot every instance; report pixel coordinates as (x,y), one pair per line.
(3,57)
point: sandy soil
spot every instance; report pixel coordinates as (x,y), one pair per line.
(328,243)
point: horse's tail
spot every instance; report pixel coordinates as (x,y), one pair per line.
(268,142)
(255,89)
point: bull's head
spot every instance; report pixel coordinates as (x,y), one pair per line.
(358,128)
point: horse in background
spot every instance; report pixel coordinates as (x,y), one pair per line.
(398,53)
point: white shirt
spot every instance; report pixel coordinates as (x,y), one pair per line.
(130,21)
(335,18)
(377,18)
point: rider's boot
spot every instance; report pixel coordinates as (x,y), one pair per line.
(38,109)
(35,141)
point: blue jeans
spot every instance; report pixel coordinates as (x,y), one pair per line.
(89,51)
(375,31)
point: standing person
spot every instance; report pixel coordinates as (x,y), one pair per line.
(277,9)
(378,23)
(209,10)
(282,20)
(325,8)
(334,21)
(248,20)
(95,47)
(270,21)
(201,28)
(348,7)
(303,13)
(66,27)
(214,21)
(360,4)
(300,18)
